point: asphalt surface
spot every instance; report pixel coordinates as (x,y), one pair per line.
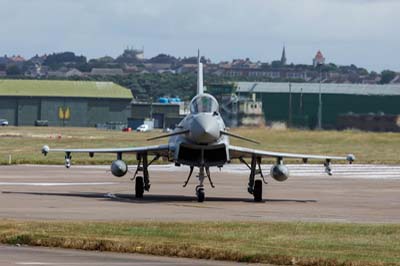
(66,257)
(355,193)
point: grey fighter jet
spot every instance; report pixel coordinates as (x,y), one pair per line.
(201,141)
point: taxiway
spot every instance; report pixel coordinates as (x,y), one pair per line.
(355,193)
(33,256)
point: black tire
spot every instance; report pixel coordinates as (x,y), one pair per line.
(257,193)
(139,187)
(200,195)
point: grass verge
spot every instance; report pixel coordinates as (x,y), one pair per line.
(24,143)
(278,243)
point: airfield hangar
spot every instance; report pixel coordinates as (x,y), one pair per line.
(364,106)
(63,103)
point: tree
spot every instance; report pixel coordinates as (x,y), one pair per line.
(276,64)
(387,76)
(56,60)
(189,60)
(13,70)
(362,71)
(163,59)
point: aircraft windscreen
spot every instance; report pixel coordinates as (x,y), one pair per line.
(204,103)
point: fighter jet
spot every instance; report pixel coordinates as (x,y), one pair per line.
(201,141)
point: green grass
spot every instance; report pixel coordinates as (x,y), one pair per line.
(270,242)
(24,143)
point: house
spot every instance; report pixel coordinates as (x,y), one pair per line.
(186,68)
(39,60)
(106,72)
(17,59)
(74,73)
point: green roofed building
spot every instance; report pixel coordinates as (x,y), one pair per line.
(296,104)
(63,103)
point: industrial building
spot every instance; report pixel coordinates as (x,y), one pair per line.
(296,104)
(63,103)
(165,114)
(237,110)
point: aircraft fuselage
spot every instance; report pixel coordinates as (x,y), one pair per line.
(202,144)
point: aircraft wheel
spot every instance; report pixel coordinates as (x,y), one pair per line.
(139,187)
(200,195)
(257,193)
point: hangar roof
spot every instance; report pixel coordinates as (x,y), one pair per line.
(63,88)
(326,88)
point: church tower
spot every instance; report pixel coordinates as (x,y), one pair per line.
(283,57)
(319,59)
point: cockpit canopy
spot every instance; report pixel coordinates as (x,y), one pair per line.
(204,103)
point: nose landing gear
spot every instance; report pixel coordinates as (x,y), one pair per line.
(204,172)
(200,188)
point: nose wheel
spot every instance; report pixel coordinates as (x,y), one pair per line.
(203,174)
(200,194)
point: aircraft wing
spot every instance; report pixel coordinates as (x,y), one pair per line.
(242,152)
(161,150)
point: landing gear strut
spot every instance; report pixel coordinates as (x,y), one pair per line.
(203,173)
(142,183)
(255,187)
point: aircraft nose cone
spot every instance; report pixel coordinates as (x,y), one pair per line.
(204,129)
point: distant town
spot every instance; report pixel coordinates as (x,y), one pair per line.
(68,65)
(249,93)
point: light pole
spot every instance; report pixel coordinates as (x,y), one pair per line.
(301,101)
(290,106)
(319,125)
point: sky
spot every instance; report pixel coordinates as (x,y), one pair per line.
(360,32)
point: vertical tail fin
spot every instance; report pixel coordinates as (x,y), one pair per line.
(200,88)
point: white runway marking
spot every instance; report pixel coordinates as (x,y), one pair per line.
(45,184)
(339,170)
(362,171)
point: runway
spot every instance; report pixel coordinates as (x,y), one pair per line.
(355,193)
(33,256)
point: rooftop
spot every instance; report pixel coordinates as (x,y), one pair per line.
(326,88)
(57,88)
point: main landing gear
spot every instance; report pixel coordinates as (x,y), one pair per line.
(203,173)
(142,182)
(255,186)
